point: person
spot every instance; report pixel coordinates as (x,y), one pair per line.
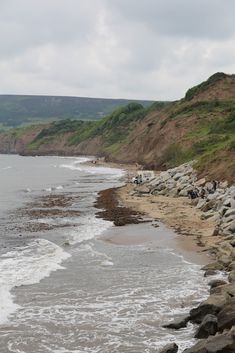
(214,185)
(192,194)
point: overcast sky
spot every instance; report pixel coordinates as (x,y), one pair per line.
(144,49)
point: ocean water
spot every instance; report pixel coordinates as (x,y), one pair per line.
(65,290)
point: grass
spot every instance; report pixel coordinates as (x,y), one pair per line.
(192,92)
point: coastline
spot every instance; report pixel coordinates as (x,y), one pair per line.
(193,233)
(175,212)
(215,316)
(178,213)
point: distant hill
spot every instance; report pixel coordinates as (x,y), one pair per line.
(18,110)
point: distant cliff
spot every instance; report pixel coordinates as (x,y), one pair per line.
(200,126)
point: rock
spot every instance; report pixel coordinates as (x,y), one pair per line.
(232,266)
(201,203)
(231,276)
(229,212)
(224,259)
(226,246)
(216,266)
(183,193)
(227,202)
(223,343)
(223,210)
(208,205)
(223,184)
(177,324)
(210,273)
(200,182)
(216,283)
(215,232)
(169,348)
(143,189)
(226,288)
(212,306)
(232,227)
(177,176)
(207,215)
(208,327)
(226,317)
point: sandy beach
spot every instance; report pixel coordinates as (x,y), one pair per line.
(178,213)
(193,234)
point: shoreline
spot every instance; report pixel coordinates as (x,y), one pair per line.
(193,233)
(196,234)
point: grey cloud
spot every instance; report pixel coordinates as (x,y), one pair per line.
(114,48)
(187,18)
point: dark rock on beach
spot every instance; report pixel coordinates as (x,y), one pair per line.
(212,306)
(222,343)
(178,324)
(216,283)
(208,327)
(169,348)
(231,276)
(226,317)
(214,266)
(210,273)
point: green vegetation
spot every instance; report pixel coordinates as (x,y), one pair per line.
(175,154)
(113,129)
(16,110)
(192,92)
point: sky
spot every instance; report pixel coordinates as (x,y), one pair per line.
(134,49)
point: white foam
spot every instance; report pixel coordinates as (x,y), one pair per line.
(79,166)
(106,263)
(24,266)
(89,227)
(60,187)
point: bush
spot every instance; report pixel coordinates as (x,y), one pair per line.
(192,92)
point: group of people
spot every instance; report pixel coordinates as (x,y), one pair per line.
(210,189)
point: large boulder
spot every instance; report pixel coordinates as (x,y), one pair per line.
(215,266)
(212,305)
(227,288)
(209,205)
(223,343)
(226,317)
(177,324)
(216,283)
(232,227)
(169,348)
(230,212)
(231,276)
(232,266)
(208,327)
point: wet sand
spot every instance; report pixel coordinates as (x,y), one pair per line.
(136,222)
(194,234)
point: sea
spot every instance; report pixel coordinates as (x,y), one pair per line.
(63,288)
